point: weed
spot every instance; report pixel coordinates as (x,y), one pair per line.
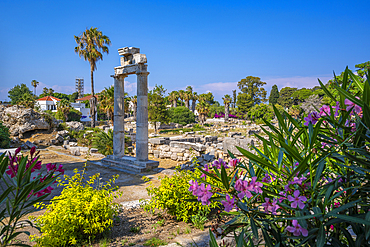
(135,229)
(155,242)
(103,242)
(199,220)
(178,231)
(187,230)
(160,222)
(124,241)
(131,244)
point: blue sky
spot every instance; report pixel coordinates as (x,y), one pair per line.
(210,45)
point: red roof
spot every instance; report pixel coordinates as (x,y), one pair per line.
(88,97)
(48,98)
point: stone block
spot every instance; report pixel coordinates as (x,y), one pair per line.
(174,157)
(93,150)
(30,145)
(180,154)
(230,144)
(164,148)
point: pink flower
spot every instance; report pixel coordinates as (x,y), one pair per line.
(12,170)
(351,105)
(283,196)
(296,229)
(60,169)
(312,117)
(242,187)
(204,194)
(220,162)
(193,187)
(234,162)
(270,206)
(51,167)
(256,186)
(297,200)
(229,203)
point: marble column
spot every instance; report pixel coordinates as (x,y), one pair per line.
(119,117)
(142,116)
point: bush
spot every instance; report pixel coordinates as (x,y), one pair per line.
(172,196)
(74,115)
(181,115)
(21,189)
(104,142)
(261,111)
(79,214)
(4,136)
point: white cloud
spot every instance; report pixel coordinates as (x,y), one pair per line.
(130,88)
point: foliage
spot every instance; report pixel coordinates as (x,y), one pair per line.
(74,115)
(155,242)
(173,97)
(262,111)
(181,115)
(214,109)
(79,213)
(17,92)
(285,97)
(91,45)
(21,189)
(63,108)
(207,97)
(308,184)
(173,195)
(157,111)
(274,95)
(203,110)
(252,94)
(107,102)
(244,103)
(35,83)
(4,136)
(104,142)
(301,95)
(199,219)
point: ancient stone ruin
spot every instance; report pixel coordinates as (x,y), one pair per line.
(132,62)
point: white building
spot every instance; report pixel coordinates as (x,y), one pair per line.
(80,106)
(48,103)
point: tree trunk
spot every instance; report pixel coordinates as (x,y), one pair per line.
(187,104)
(226,112)
(175,103)
(193,105)
(92,102)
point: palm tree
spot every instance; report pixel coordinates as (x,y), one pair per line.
(103,142)
(64,107)
(189,89)
(173,97)
(91,45)
(50,91)
(203,110)
(227,100)
(194,100)
(181,96)
(134,102)
(187,97)
(107,102)
(35,83)
(127,102)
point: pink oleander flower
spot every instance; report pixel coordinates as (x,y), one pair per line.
(296,229)
(256,186)
(51,167)
(229,203)
(234,162)
(266,179)
(220,162)
(351,105)
(243,187)
(297,180)
(270,206)
(325,110)
(312,117)
(12,170)
(60,169)
(297,200)
(283,196)
(193,187)
(204,194)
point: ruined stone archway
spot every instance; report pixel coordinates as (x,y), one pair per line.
(132,62)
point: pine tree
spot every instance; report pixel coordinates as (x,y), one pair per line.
(274,95)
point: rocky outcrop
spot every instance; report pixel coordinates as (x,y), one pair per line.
(75,126)
(20,120)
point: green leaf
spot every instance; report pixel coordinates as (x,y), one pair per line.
(212,240)
(327,92)
(224,177)
(343,207)
(321,237)
(352,219)
(240,239)
(348,236)
(356,80)
(254,228)
(319,170)
(257,159)
(328,193)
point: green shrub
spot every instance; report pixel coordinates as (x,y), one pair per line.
(4,136)
(104,142)
(181,115)
(79,214)
(172,196)
(74,115)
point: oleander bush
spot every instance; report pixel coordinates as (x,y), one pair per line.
(308,183)
(181,115)
(84,210)
(174,197)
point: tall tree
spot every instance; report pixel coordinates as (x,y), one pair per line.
(194,101)
(285,96)
(181,96)
(91,45)
(234,98)
(207,97)
(34,83)
(187,97)
(27,100)
(274,95)
(173,97)
(227,100)
(134,102)
(253,87)
(157,110)
(16,93)
(189,89)
(203,109)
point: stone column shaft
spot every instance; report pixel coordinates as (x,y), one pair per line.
(119,117)
(142,117)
